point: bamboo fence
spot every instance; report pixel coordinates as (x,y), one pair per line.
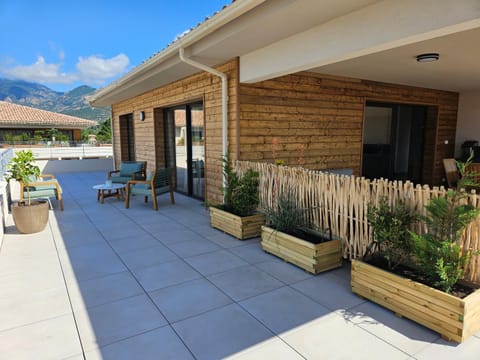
(341,203)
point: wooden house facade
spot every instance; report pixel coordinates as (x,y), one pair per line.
(305,117)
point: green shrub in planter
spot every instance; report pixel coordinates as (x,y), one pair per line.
(438,253)
(390,225)
(240,192)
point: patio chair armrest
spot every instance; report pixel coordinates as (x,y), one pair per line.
(138,175)
(134,182)
(113,172)
(46,176)
(43,183)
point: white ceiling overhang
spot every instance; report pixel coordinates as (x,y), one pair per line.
(355,38)
(380,42)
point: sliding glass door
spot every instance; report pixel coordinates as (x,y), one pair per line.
(185,148)
(393,141)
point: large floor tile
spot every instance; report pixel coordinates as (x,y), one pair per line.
(81,237)
(119,230)
(244,282)
(332,337)
(224,332)
(206,230)
(227,241)
(165,231)
(283,309)
(284,271)
(23,276)
(125,245)
(338,296)
(165,274)
(50,339)
(402,333)
(215,262)
(445,350)
(273,348)
(91,261)
(157,344)
(188,299)
(32,306)
(142,258)
(252,253)
(192,219)
(93,292)
(146,217)
(115,321)
(193,247)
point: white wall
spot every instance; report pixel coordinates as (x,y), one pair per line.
(84,165)
(468,123)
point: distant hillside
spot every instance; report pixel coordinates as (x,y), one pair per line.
(39,96)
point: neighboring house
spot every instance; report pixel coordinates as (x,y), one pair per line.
(18,119)
(337,83)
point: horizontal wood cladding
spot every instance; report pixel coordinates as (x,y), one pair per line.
(319,119)
(149,143)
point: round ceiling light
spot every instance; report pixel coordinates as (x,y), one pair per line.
(428,57)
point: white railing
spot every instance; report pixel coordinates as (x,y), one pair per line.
(78,152)
(5,156)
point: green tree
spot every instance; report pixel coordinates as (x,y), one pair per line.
(105,131)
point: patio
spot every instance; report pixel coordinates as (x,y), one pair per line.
(104,282)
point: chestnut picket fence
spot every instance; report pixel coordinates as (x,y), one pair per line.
(340,202)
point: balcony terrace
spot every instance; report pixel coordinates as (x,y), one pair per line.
(105,282)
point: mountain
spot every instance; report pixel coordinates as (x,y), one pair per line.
(42,97)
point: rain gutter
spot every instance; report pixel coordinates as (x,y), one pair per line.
(224,78)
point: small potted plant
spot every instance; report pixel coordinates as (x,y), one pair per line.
(238,214)
(291,236)
(30,216)
(418,276)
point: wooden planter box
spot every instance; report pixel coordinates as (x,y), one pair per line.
(314,258)
(241,227)
(454,318)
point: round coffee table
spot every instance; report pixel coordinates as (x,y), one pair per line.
(105,191)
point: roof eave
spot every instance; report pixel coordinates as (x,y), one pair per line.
(233,11)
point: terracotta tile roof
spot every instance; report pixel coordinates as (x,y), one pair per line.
(19,116)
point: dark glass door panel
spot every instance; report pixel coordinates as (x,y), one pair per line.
(185,148)
(393,144)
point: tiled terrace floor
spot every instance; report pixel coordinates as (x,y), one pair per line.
(104,282)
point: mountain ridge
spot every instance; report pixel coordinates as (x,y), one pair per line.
(39,96)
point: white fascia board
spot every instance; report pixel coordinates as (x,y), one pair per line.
(381,26)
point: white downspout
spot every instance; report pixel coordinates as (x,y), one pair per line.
(113,139)
(224,78)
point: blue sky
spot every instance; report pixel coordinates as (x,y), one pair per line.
(64,44)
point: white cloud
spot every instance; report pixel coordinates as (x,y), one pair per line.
(41,72)
(90,70)
(95,69)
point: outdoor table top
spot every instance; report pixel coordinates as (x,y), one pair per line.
(114,186)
